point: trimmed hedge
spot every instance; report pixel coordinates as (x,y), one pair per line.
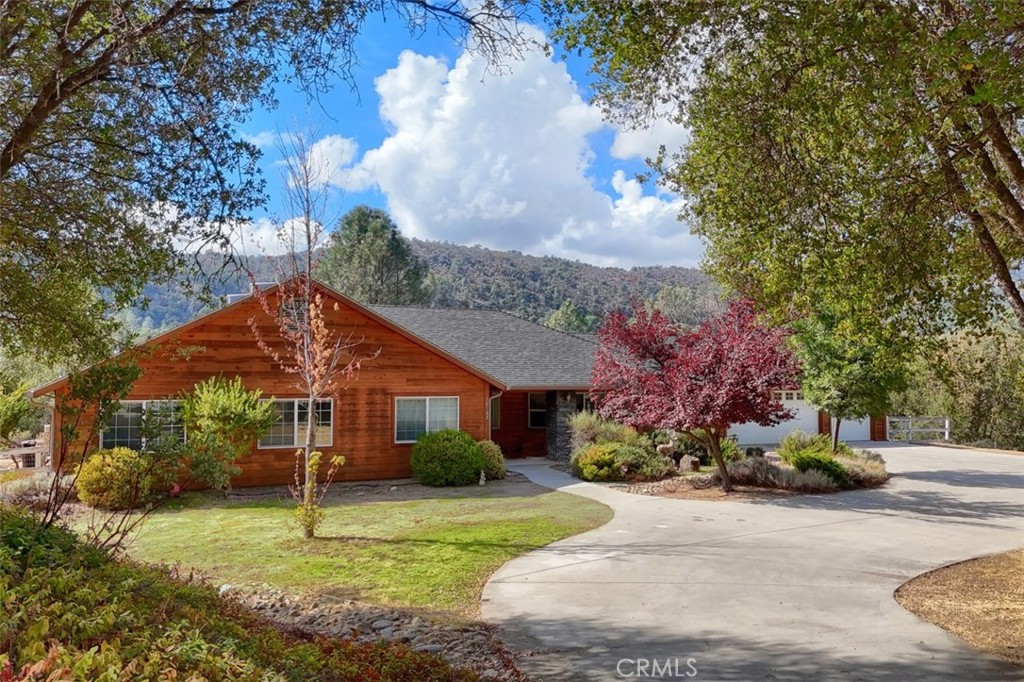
(447,457)
(115,479)
(494,460)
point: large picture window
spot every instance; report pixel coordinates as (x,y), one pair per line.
(129,425)
(416,416)
(538,418)
(289,431)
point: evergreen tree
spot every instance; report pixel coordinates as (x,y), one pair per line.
(370,261)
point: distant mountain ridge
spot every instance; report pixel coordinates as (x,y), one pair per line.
(463,276)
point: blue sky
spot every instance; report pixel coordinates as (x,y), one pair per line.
(518,160)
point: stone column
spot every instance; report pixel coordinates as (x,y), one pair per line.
(561,406)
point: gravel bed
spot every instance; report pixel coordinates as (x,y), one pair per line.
(473,646)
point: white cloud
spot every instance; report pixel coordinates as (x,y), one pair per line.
(268,237)
(643,142)
(506,161)
(329,156)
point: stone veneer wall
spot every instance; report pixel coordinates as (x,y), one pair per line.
(561,406)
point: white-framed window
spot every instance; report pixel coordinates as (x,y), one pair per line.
(583,402)
(496,412)
(126,427)
(538,410)
(415,416)
(289,431)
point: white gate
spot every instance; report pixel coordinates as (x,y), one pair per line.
(918,428)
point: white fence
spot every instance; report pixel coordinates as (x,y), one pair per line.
(918,428)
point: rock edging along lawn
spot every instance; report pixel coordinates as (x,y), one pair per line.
(473,646)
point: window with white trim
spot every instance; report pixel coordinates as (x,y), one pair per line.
(416,416)
(289,430)
(583,402)
(538,405)
(128,426)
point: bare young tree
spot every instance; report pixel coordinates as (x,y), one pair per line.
(323,360)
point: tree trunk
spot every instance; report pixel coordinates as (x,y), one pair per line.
(835,436)
(714,448)
(309,487)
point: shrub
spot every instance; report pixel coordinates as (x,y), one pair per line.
(494,460)
(754,452)
(447,457)
(730,450)
(153,628)
(598,462)
(687,447)
(589,428)
(761,473)
(797,442)
(115,479)
(808,459)
(643,464)
(865,469)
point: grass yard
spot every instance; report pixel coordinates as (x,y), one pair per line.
(433,553)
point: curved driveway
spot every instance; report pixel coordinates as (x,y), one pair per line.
(793,589)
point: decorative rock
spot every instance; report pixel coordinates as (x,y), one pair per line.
(429,648)
(472,646)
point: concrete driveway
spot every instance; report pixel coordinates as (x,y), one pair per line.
(795,589)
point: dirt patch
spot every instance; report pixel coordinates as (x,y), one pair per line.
(981,601)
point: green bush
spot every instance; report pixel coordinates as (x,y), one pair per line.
(494,460)
(589,428)
(823,462)
(798,441)
(687,447)
(153,628)
(731,450)
(606,462)
(115,479)
(598,462)
(643,464)
(447,457)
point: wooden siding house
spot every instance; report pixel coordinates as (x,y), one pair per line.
(487,373)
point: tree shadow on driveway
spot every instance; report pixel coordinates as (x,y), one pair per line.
(573,648)
(913,503)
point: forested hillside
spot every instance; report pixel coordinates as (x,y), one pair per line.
(532,286)
(466,276)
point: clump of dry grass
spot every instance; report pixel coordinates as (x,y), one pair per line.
(866,469)
(761,473)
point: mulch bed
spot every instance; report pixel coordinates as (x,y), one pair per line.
(980,600)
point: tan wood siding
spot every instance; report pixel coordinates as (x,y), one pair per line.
(363,413)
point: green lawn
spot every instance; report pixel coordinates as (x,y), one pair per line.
(434,553)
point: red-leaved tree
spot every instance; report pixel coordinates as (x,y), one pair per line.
(651,374)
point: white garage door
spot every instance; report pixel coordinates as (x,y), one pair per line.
(805,419)
(851,431)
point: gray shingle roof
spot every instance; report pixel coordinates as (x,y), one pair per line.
(517,352)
